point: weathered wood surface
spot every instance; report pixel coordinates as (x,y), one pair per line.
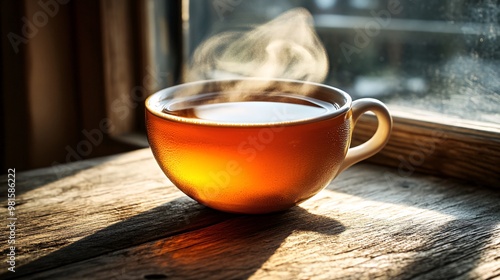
(120,218)
(432,144)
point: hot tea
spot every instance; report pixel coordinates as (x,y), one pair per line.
(254,150)
(257,151)
(252,109)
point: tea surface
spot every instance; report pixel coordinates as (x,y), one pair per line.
(284,109)
(256,112)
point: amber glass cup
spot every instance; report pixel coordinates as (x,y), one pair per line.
(257,145)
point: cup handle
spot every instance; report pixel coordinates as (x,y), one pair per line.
(378,140)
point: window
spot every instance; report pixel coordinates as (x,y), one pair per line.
(442,56)
(436,65)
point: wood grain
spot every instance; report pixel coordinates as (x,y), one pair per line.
(120,67)
(120,218)
(62,205)
(428,143)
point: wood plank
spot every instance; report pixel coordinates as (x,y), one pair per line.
(469,151)
(58,208)
(119,217)
(52,96)
(120,69)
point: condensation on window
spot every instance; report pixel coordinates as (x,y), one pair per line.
(440,56)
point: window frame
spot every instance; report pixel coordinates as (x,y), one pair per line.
(99,63)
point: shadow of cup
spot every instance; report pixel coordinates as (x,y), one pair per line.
(242,240)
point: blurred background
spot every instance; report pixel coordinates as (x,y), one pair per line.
(75,73)
(442,56)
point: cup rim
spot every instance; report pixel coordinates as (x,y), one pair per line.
(167,94)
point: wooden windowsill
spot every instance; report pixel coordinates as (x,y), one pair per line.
(430,143)
(119,217)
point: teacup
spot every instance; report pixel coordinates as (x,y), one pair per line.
(257,145)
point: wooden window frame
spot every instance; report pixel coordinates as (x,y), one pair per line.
(88,56)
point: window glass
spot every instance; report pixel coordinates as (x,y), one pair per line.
(440,56)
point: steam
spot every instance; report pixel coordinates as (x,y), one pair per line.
(286,47)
